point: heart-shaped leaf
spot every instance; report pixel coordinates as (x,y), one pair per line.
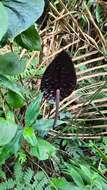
(3,21)
(22,14)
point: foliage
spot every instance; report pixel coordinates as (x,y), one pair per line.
(7,131)
(21,15)
(26,180)
(3,21)
(73,156)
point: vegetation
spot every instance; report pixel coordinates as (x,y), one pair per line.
(33,155)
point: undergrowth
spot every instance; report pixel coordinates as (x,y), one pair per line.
(73,156)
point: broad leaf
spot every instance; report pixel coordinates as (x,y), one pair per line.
(14,100)
(43,150)
(29,39)
(22,14)
(44,125)
(10,64)
(7,131)
(32,111)
(29,136)
(3,21)
(6,83)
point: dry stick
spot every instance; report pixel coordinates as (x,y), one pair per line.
(71,137)
(59,51)
(77,135)
(76,58)
(69,26)
(104,44)
(90,61)
(80,30)
(72,100)
(92,76)
(94,101)
(57,107)
(91,69)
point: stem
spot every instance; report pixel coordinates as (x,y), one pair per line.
(57,107)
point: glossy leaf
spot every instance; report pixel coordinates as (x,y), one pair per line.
(3,20)
(7,131)
(29,39)
(32,111)
(22,14)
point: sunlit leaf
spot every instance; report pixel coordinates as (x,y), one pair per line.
(29,135)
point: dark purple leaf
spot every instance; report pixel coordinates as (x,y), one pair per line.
(60,74)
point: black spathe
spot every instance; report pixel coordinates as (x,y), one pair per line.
(60,74)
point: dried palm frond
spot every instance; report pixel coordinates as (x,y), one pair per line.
(75,29)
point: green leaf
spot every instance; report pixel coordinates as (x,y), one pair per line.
(98,13)
(10,116)
(10,64)
(62,184)
(32,111)
(43,150)
(6,83)
(22,14)
(29,136)
(14,100)
(44,125)
(3,21)
(75,175)
(86,173)
(7,131)
(4,154)
(29,39)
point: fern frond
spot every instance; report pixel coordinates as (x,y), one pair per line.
(18,173)
(7,185)
(28,176)
(26,180)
